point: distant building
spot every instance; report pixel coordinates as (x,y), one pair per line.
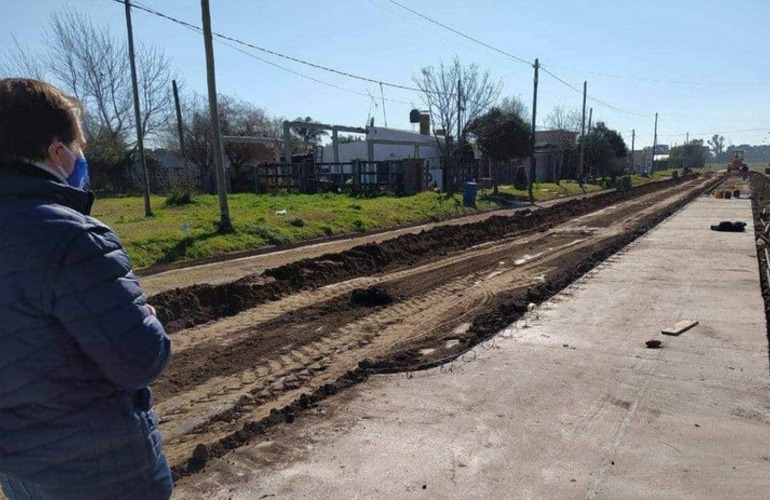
(550,154)
(383,144)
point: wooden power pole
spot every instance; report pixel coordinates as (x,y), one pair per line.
(654,144)
(137,112)
(533,162)
(459,116)
(633,145)
(224,211)
(583,135)
(179,122)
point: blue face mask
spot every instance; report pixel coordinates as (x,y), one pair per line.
(79,177)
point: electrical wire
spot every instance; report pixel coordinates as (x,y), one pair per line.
(222,37)
(152,11)
(594,99)
(512,56)
(288,70)
(763,129)
(460,33)
(664,80)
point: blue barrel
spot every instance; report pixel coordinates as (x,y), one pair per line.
(469,194)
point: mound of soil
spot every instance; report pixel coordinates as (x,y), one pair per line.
(371,297)
(186,307)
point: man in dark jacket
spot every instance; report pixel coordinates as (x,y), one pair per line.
(78,343)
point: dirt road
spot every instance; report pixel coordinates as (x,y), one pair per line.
(257,352)
(228,269)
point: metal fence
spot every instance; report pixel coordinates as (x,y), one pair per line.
(398,176)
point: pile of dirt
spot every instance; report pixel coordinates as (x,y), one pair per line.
(371,297)
(760,201)
(186,307)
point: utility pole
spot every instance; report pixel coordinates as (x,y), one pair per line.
(225,225)
(654,143)
(137,112)
(179,123)
(459,115)
(633,145)
(382,95)
(533,162)
(583,135)
(590,119)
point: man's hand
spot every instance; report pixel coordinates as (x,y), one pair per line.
(150,309)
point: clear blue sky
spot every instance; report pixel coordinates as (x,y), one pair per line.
(722,45)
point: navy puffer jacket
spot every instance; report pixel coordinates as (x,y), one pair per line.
(77,349)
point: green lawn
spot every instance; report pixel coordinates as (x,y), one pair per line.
(190,231)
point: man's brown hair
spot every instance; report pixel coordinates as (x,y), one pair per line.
(32,115)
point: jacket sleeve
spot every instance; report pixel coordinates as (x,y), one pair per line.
(97,299)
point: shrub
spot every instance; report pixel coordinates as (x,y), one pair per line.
(297,222)
(182,184)
(520,180)
(270,236)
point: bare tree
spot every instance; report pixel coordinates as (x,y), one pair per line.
(91,63)
(440,87)
(568,121)
(240,118)
(236,118)
(20,62)
(516,106)
(563,118)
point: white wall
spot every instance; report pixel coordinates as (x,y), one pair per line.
(382,152)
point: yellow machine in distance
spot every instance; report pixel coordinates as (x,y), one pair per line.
(736,163)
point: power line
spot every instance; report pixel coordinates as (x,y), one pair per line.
(460,33)
(664,80)
(522,60)
(763,129)
(278,54)
(509,55)
(288,70)
(185,24)
(594,99)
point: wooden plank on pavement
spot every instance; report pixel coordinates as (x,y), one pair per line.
(679,327)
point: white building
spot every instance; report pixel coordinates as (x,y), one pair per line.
(383,144)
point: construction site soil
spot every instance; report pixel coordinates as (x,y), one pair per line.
(760,202)
(257,352)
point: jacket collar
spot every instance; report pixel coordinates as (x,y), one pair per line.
(19,180)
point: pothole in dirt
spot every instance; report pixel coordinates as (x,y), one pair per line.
(371,297)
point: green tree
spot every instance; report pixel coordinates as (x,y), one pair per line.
(717,144)
(310,136)
(502,136)
(689,155)
(605,151)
